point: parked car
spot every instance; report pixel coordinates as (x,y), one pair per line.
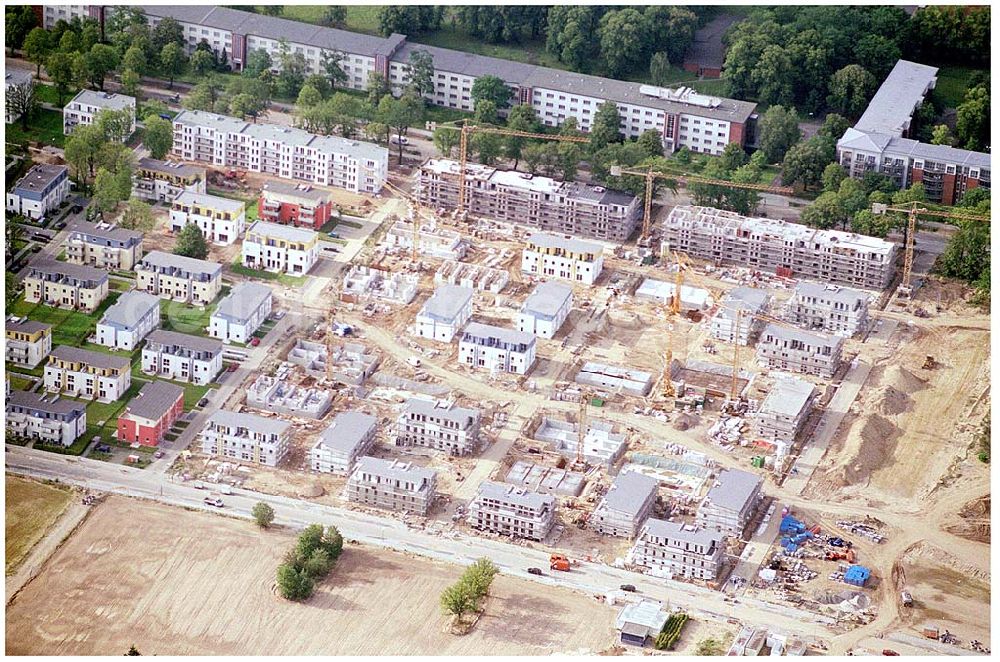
(628,588)
(203,402)
(331,249)
(398,140)
(213,501)
(334,234)
(36,248)
(254,341)
(103,448)
(158,454)
(535,571)
(60,225)
(231,367)
(76,209)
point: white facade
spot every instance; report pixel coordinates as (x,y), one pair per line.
(85,106)
(679,550)
(221,220)
(128,321)
(545,310)
(445,313)
(438,425)
(280,248)
(496,349)
(349,436)
(731,502)
(39,192)
(181,357)
(241,313)
(246,437)
(512,511)
(49,419)
(179,278)
(829,308)
(87,374)
(552,256)
(28,342)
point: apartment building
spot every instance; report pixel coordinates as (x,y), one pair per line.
(545,309)
(445,313)
(679,550)
(512,511)
(784,411)
(162,181)
(787,249)
(532,200)
(28,342)
(241,313)
(39,192)
(15,78)
(432,240)
(794,350)
(285,152)
(87,374)
(438,425)
(46,418)
(181,357)
(880,141)
(731,502)
(735,321)
(49,15)
(496,349)
(301,205)
(128,321)
(626,506)
(149,415)
(830,308)
(179,278)
(64,285)
(85,106)
(103,246)
(349,436)
(221,220)
(392,485)
(246,437)
(280,248)
(553,256)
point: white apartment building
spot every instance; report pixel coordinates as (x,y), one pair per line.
(784,411)
(103,246)
(553,256)
(794,350)
(280,248)
(246,438)
(221,220)
(736,321)
(39,192)
(512,511)
(349,436)
(162,181)
(241,313)
(15,78)
(128,321)
(181,357)
(731,502)
(65,285)
(46,418)
(285,152)
(28,342)
(496,349)
(445,313)
(830,308)
(87,374)
(626,506)
(439,425)
(85,106)
(678,550)
(179,278)
(545,310)
(392,485)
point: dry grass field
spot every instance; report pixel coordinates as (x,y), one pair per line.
(175,582)
(31,509)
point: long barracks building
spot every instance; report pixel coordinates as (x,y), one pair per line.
(682,117)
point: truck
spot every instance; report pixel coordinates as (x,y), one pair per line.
(559,562)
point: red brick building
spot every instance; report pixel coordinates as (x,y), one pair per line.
(151,413)
(301,205)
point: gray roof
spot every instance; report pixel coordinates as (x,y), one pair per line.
(395,470)
(629,492)
(82,272)
(282,134)
(89,357)
(252,422)
(747,299)
(222,123)
(357,149)
(45,403)
(517,495)
(447,302)
(242,301)
(17,76)
(131,307)
(26,326)
(825,292)
(788,396)
(937,153)
(154,400)
(194,265)
(286,232)
(599,194)
(107,100)
(550,240)
(40,176)
(86,229)
(306,191)
(210,201)
(438,409)
(547,299)
(733,489)
(479,330)
(807,337)
(195,343)
(346,431)
(901,92)
(676,531)
(170,167)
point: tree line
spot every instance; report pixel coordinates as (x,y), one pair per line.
(467,594)
(315,553)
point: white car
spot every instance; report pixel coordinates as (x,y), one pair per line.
(398,140)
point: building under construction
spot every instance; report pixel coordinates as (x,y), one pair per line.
(540,202)
(787,249)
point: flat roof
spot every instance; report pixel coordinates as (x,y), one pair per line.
(40,176)
(302,191)
(17,76)
(901,92)
(89,357)
(661,528)
(357,149)
(807,337)
(215,121)
(131,307)
(155,399)
(242,300)
(253,422)
(550,240)
(170,167)
(194,265)
(733,488)
(788,396)
(279,231)
(196,343)
(826,292)
(346,431)
(629,492)
(46,403)
(108,100)
(211,201)
(748,299)
(513,494)
(440,409)
(547,298)
(395,470)
(480,330)
(122,235)
(447,302)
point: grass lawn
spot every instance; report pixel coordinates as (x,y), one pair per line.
(952,84)
(119,285)
(69,327)
(20,383)
(47,93)
(31,509)
(185,318)
(45,127)
(283,278)
(37,371)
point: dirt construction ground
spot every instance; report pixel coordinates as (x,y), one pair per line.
(175,582)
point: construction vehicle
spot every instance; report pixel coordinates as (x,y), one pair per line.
(559,562)
(906,598)
(929,363)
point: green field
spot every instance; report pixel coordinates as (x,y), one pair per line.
(45,127)
(47,94)
(952,84)
(283,278)
(185,318)
(68,327)
(31,509)
(20,383)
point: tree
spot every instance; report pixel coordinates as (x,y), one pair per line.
(833,128)
(941,135)
(606,127)
(320,83)
(191,242)
(825,213)
(59,67)
(263,514)
(12,286)
(172,62)
(709,647)
(480,575)
(309,96)
(487,146)
(106,194)
(458,600)
(851,88)
(445,140)
(135,59)
(805,162)
(878,54)
(778,130)
(202,96)
(258,61)
(19,22)
(69,43)
(486,113)
(973,124)
(967,254)
(132,650)
(82,150)
(377,88)
(491,88)
(167,31)
(672,28)
(158,137)
(293,584)
(572,34)
(37,47)
(774,76)
(202,62)
(130,82)
(318,564)
(400,114)
(659,68)
(101,60)
(334,16)
(421,72)
(89,37)
(246,105)
(333,542)
(332,64)
(522,117)
(651,142)
(732,157)
(22,101)
(833,175)
(115,125)
(137,215)
(867,223)
(624,39)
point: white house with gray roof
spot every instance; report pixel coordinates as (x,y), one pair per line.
(734,322)
(28,342)
(445,313)
(240,313)
(182,357)
(85,106)
(731,502)
(795,350)
(392,485)
(677,549)
(280,248)
(545,310)
(829,308)
(349,436)
(129,320)
(179,278)
(246,437)
(784,411)
(512,511)
(84,373)
(40,191)
(496,349)
(440,425)
(100,245)
(550,255)
(46,418)
(162,181)
(221,220)
(625,507)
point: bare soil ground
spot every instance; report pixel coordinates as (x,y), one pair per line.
(32,508)
(187,583)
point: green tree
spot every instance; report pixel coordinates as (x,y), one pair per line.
(732,157)
(834,126)
(334,16)
(201,97)
(293,584)
(973,125)
(172,62)
(245,105)
(421,70)
(487,146)
(805,162)
(671,28)
(89,37)
(309,96)
(941,135)
(773,76)
(263,514)
(167,31)
(851,88)
(624,40)
(135,59)
(867,223)
(333,542)
(101,60)
(491,88)
(984,429)
(522,117)
(137,215)
(37,48)
(486,113)
(158,137)
(606,127)
(191,242)
(652,143)
(458,600)
(377,88)
(572,34)
(480,576)
(115,125)
(293,70)
(82,150)
(69,43)
(778,130)
(106,194)
(659,68)
(258,61)
(20,20)
(318,565)
(202,62)
(12,287)
(568,157)
(332,63)
(877,54)
(400,114)
(967,254)
(445,140)
(130,83)
(833,175)
(825,213)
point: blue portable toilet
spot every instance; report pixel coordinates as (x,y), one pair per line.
(857,575)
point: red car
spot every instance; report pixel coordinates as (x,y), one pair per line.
(254,342)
